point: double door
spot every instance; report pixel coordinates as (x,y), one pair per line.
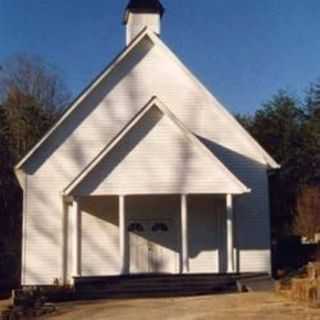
(152,246)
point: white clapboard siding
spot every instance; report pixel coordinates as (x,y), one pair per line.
(148,71)
(100,236)
(206,234)
(156,156)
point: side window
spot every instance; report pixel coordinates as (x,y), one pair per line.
(160,227)
(135,227)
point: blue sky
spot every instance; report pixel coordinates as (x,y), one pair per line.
(242,50)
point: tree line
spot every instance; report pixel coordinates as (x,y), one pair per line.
(288,127)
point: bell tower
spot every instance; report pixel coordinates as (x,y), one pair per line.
(140,14)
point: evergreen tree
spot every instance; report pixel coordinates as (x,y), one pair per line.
(278,126)
(311,134)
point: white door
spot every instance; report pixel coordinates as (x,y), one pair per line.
(152,246)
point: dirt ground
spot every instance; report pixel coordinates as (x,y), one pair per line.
(4,304)
(251,306)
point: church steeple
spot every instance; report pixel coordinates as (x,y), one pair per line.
(140,14)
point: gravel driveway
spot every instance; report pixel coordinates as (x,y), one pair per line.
(255,306)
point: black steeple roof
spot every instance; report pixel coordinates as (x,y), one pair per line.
(144,6)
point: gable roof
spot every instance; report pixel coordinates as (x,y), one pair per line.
(145,33)
(77,101)
(268,159)
(229,179)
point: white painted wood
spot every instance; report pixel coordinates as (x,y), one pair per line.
(76,214)
(122,233)
(25,226)
(235,237)
(150,209)
(145,37)
(138,253)
(148,252)
(65,248)
(184,234)
(189,166)
(206,241)
(100,252)
(138,21)
(142,40)
(142,72)
(230,231)
(69,240)
(161,259)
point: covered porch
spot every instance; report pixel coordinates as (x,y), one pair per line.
(149,234)
(154,200)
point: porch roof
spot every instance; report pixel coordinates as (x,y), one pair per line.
(155,154)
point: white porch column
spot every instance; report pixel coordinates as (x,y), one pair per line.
(122,234)
(76,225)
(66,247)
(184,234)
(230,255)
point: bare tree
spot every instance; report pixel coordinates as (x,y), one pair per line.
(33,77)
(307,221)
(32,95)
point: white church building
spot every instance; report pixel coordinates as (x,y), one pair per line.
(145,173)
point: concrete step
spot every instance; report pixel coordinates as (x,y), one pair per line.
(153,285)
(178,286)
(151,278)
(152,292)
(161,276)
